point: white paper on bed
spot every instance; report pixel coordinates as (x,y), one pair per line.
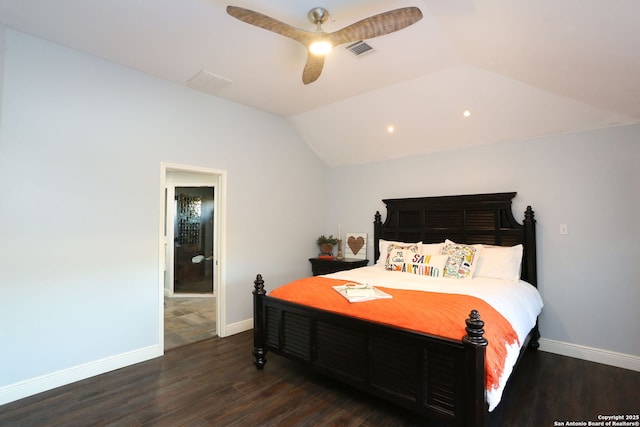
(518,301)
(359,292)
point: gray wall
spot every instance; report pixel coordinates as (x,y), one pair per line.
(588,180)
(81,146)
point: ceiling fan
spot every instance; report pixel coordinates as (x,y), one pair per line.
(318,43)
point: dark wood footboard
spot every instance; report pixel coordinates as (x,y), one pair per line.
(432,376)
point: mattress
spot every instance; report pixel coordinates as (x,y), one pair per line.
(518,301)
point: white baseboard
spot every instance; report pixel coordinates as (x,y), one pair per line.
(612,358)
(236,328)
(33,386)
(22,389)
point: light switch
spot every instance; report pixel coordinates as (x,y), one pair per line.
(564,229)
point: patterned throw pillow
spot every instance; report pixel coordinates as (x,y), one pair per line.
(383,247)
(462,260)
(426,265)
(398,253)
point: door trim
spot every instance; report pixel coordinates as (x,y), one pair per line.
(219,242)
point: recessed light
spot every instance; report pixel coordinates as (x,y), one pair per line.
(391,128)
(466,113)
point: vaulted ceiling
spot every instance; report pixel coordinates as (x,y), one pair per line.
(522,69)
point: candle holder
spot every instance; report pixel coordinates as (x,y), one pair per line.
(339,257)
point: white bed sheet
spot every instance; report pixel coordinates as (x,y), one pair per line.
(518,301)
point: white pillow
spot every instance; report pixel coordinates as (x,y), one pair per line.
(500,262)
(462,261)
(430,248)
(383,246)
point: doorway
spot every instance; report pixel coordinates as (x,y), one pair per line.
(192,254)
(193,240)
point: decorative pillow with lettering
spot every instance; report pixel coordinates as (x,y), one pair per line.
(426,265)
(398,253)
(383,246)
(462,259)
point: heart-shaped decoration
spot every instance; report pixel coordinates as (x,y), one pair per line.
(355,244)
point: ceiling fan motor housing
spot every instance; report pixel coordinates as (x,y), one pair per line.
(318,15)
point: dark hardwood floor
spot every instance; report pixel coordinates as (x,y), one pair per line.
(214,383)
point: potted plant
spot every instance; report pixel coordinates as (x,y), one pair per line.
(326,244)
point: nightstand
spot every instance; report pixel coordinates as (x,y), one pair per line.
(326,266)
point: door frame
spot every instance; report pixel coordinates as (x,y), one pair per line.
(219,271)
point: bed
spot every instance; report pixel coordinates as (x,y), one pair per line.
(430,374)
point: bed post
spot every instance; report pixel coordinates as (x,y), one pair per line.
(530,245)
(531,266)
(259,352)
(377,235)
(474,378)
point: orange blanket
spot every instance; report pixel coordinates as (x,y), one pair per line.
(427,312)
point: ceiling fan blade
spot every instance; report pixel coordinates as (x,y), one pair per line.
(377,25)
(312,68)
(268,23)
(374,26)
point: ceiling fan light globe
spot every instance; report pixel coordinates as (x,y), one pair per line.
(320,47)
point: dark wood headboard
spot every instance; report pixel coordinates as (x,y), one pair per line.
(472,219)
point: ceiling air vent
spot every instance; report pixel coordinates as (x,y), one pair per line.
(358,48)
(206,81)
